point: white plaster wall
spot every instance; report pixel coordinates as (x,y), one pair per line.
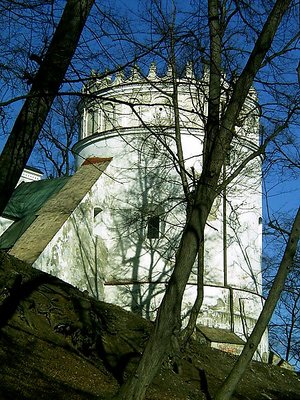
(76,254)
(29,175)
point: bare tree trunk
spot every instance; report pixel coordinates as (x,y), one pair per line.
(167,324)
(45,87)
(213,117)
(226,390)
(190,328)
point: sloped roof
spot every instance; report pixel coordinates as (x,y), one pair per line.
(27,199)
(219,335)
(41,208)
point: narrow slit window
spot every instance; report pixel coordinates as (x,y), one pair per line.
(91,122)
(97,220)
(228,159)
(109,115)
(153,227)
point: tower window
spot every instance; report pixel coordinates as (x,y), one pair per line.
(227,160)
(228,157)
(91,121)
(97,220)
(153,227)
(109,116)
(97,211)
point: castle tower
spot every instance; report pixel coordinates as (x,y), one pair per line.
(141,209)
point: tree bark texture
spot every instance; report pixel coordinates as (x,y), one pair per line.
(44,88)
(167,324)
(226,390)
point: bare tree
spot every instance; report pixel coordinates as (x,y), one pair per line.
(227,388)
(284,326)
(45,86)
(54,148)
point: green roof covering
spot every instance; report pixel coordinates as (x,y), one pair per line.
(26,201)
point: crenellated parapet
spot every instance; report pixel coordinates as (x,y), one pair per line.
(108,83)
(105,80)
(119,100)
(115,101)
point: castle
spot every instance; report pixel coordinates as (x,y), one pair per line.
(120,238)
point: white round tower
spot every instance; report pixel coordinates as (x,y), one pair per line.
(142,202)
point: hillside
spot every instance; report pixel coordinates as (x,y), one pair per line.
(57,343)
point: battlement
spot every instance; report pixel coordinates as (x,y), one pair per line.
(115,101)
(105,80)
(110,82)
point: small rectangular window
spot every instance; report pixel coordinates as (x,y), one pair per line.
(97,225)
(97,211)
(228,158)
(153,227)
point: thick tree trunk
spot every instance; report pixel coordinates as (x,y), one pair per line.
(190,328)
(212,128)
(226,390)
(45,86)
(167,325)
(163,341)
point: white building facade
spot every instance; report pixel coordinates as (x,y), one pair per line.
(140,208)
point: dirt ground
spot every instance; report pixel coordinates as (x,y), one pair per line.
(56,343)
